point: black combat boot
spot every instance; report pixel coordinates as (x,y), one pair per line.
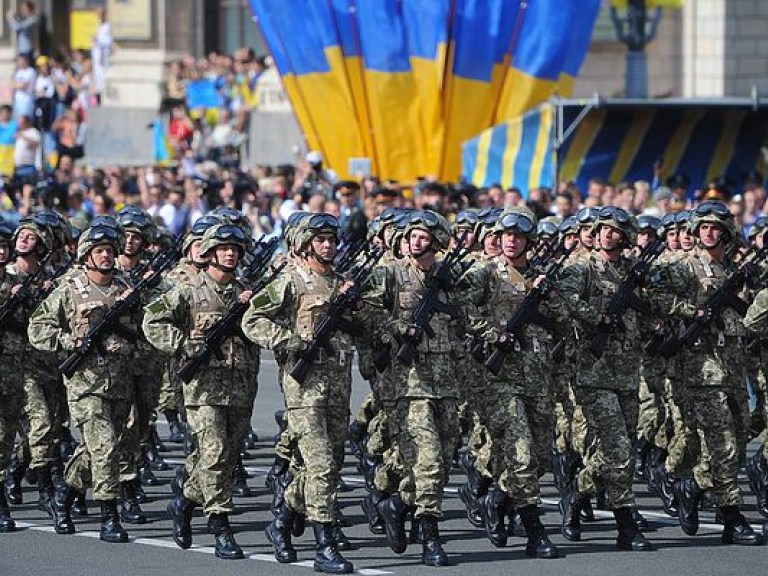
(45,489)
(570,508)
(240,486)
(6,522)
(57,472)
(493,508)
(342,542)
(539,544)
(251,438)
(375,522)
(67,445)
(61,506)
(339,517)
(111,530)
(79,507)
(661,483)
(190,442)
(642,451)
(152,452)
(327,557)
(432,550)
(587,513)
(282,424)
(737,530)
(141,496)
(472,494)
(15,475)
(180,510)
(629,537)
(177,483)
(601,501)
(640,522)
(279,467)
(393,512)
(688,494)
(278,533)
(281,485)
(225,547)
(146,476)
(757,472)
(176,435)
(357,434)
(416,533)
(130,509)
(515,526)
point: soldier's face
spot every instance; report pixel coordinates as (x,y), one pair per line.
(586,238)
(324,245)
(194,252)
(103,257)
(687,242)
(710,235)
(610,238)
(5,251)
(673,243)
(492,245)
(227,255)
(133,242)
(570,240)
(513,244)
(419,241)
(645,237)
(26,241)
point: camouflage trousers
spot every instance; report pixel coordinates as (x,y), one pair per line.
(44,408)
(570,427)
(611,419)
(144,394)
(514,458)
(427,436)
(96,461)
(11,405)
(171,396)
(219,433)
(320,433)
(383,442)
(654,418)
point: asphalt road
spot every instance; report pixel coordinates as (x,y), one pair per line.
(35,550)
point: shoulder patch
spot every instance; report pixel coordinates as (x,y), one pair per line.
(156,306)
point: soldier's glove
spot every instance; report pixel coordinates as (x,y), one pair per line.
(609,323)
(703,316)
(505,342)
(413,333)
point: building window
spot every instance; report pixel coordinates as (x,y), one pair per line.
(238,30)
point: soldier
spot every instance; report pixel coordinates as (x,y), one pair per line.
(604,388)
(218,398)
(516,406)
(283,318)
(426,389)
(98,391)
(720,411)
(12,345)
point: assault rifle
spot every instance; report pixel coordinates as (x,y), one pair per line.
(163,259)
(542,255)
(110,322)
(262,256)
(723,298)
(10,306)
(526,313)
(449,270)
(333,319)
(625,297)
(229,324)
(349,256)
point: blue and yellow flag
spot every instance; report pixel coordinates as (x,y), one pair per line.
(405,82)
(162,151)
(7,146)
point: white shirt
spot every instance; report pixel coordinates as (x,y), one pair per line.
(26,75)
(44,87)
(24,151)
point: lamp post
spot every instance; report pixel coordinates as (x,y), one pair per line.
(635,27)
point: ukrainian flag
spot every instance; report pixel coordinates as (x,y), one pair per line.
(162,153)
(405,82)
(7,145)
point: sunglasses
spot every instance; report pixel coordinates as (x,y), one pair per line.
(716,208)
(613,213)
(519,222)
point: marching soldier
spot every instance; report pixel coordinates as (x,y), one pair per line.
(218,399)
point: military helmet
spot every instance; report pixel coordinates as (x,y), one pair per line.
(586,216)
(466,219)
(6,235)
(292,225)
(618,219)
(96,236)
(487,221)
(313,225)
(198,229)
(134,219)
(44,235)
(713,212)
(648,222)
(517,219)
(548,227)
(759,227)
(223,234)
(374,228)
(56,226)
(569,226)
(431,222)
(236,217)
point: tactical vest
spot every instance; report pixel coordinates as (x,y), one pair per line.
(409,288)
(91,302)
(510,292)
(710,276)
(206,308)
(314,293)
(604,280)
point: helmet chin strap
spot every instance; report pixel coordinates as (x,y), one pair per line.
(228,269)
(199,265)
(91,265)
(319,259)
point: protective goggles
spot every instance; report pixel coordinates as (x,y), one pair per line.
(466,219)
(108,221)
(230,233)
(489,216)
(568,225)
(587,215)
(519,222)
(322,222)
(547,229)
(648,223)
(613,213)
(428,219)
(202,224)
(134,220)
(761,222)
(230,214)
(102,234)
(716,208)
(47,219)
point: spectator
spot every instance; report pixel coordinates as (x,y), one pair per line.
(23,88)
(512,197)
(23,24)
(352,220)
(25,150)
(316,204)
(100,52)
(496,195)
(625,197)
(662,199)
(564,205)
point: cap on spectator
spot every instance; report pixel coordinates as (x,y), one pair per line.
(662,193)
(314,157)
(42,60)
(345,187)
(384,194)
(719,189)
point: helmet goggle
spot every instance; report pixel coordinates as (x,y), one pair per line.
(717,208)
(547,229)
(134,220)
(202,224)
(466,219)
(231,214)
(229,233)
(319,222)
(489,216)
(108,221)
(50,219)
(516,221)
(613,213)
(648,223)
(587,215)
(428,219)
(104,234)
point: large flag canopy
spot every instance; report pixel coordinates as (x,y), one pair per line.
(621,141)
(405,82)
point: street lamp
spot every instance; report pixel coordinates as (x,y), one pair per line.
(635,27)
